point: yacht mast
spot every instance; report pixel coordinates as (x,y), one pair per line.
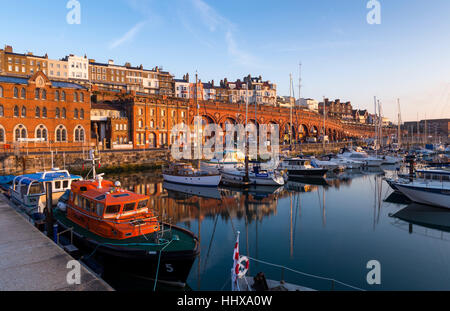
(198,125)
(324,120)
(399,131)
(246,178)
(376,126)
(290,99)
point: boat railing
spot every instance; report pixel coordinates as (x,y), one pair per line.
(63,232)
(283,270)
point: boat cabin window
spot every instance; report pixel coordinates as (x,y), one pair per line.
(57,185)
(65,184)
(100,208)
(142,204)
(112,209)
(36,188)
(129,207)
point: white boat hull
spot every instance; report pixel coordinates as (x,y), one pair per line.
(203,181)
(238,177)
(424,195)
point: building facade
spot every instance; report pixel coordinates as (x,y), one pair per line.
(40,113)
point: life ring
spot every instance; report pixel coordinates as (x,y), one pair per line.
(242,266)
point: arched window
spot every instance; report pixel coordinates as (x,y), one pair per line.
(75,97)
(20,132)
(2,111)
(82,113)
(57,96)
(44,94)
(75,113)
(81,97)
(36,94)
(16,92)
(38,112)
(16,111)
(1,91)
(44,112)
(24,111)
(163,124)
(57,113)
(63,96)
(22,93)
(2,134)
(140,123)
(79,134)
(61,134)
(41,132)
(63,114)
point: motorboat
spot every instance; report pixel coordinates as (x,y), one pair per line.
(361,156)
(119,229)
(349,164)
(390,160)
(330,165)
(29,191)
(429,192)
(229,159)
(300,167)
(256,176)
(184,173)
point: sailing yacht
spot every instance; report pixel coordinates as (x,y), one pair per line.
(182,173)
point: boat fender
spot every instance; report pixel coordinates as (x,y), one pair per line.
(242,266)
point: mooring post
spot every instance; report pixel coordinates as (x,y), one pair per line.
(48,209)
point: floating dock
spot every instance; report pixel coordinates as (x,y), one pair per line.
(30,261)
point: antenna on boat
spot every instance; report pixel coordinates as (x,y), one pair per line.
(92,159)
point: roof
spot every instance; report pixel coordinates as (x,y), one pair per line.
(49,176)
(19,80)
(106,105)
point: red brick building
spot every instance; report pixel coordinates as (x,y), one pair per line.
(41,114)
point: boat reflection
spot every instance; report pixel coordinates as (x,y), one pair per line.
(424,216)
(204,192)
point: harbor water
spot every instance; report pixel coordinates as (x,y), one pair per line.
(329,228)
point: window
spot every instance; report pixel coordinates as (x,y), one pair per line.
(141,124)
(81,97)
(41,132)
(75,97)
(20,132)
(65,184)
(1,91)
(100,208)
(2,134)
(112,209)
(63,113)
(79,134)
(63,96)
(75,113)
(82,114)
(61,134)
(36,94)
(57,184)
(142,204)
(22,93)
(16,93)
(129,207)
(38,112)
(44,94)
(2,111)
(57,95)
(16,111)
(24,111)
(57,113)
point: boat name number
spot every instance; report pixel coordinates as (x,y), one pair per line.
(169,267)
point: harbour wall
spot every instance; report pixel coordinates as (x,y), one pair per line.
(12,164)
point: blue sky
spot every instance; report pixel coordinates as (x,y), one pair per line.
(406,56)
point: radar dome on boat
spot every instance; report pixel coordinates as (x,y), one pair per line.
(117,184)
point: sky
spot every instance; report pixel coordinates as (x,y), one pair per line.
(405,57)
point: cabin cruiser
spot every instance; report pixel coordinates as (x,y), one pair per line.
(29,191)
(390,160)
(230,159)
(429,192)
(256,176)
(183,173)
(349,164)
(330,165)
(360,156)
(300,167)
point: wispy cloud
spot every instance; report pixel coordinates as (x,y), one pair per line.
(217,23)
(127,36)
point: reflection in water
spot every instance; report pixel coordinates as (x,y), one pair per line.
(331,228)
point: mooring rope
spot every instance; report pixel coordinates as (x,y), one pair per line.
(307,274)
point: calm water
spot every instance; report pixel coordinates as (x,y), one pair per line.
(330,230)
